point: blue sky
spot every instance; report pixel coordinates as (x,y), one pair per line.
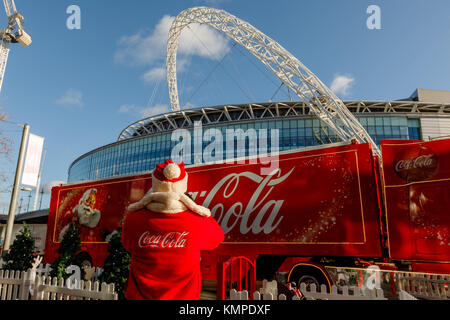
(80,88)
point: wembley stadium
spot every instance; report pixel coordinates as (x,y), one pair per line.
(318,117)
(147,142)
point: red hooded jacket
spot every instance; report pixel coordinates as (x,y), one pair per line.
(165,253)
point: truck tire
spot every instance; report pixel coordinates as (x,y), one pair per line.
(309,274)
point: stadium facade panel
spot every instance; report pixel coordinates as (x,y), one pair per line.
(148,142)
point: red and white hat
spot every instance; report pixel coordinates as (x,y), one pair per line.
(169,176)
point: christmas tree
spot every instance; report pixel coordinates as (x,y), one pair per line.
(21,253)
(67,253)
(117,264)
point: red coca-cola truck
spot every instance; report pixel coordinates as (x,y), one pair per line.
(335,205)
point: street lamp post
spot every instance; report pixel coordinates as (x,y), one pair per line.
(15,191)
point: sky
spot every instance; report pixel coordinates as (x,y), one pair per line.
(79,88)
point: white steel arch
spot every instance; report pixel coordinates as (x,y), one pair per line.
(321,100)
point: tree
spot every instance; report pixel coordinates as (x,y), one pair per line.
(117,263)
(21,253)
(67,253)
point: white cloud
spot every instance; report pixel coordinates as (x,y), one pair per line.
(126,108)
(143,112)
(159,73)
(47,187)
(154,110)
(149,47)
(154,74)
(203,41)
(71,98)
(341,84)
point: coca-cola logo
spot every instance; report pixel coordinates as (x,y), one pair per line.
(167,240)
(415,164)
(258,214)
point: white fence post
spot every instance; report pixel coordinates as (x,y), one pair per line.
(233,294)
(34,284)
(430,287)
(50,289)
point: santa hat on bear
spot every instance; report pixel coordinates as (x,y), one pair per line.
(170,176)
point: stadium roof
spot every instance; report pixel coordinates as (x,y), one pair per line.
(258,111)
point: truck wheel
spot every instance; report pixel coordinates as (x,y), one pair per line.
(308,280)
(309,274)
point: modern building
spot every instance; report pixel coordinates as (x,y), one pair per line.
(36,220)
(145,143)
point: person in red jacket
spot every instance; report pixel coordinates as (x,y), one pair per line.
(165,245)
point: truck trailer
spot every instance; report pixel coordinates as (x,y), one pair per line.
(334,205)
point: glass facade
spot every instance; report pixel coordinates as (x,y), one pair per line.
(140,155)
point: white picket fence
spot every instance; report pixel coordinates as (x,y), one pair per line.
(347,293)
(15,285)
(36,284)
(269,291)
(43,270)
(48,288)
(430,287)
(26,285)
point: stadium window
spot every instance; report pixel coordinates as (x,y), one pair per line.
(396,131)
(414,133)
(396,121)
(388,131)
(414,123)
(404,131)
(379,130)
(363,121)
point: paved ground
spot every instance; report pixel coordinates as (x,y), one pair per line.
(208,295)
(208,290)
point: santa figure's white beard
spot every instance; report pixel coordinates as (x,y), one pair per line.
(87,216)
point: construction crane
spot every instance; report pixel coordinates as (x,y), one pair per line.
(13,32)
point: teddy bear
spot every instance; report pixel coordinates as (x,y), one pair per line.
(168,192)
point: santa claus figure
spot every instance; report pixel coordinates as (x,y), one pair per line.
(164,232)
(87,215)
